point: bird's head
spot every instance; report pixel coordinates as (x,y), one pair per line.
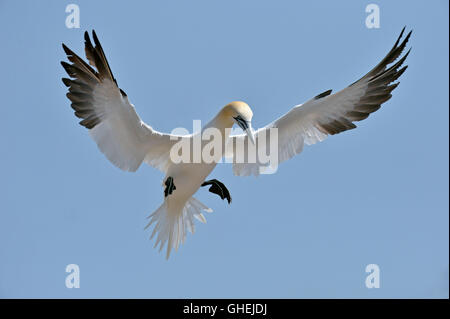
(242,115)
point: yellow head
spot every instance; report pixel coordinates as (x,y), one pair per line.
(241,114)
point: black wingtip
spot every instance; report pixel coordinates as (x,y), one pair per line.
(68,67)
(94,36)
(409,34)
(402,70)
(67,50)
(66,81)
(399,37)
(404,42)
(407,52)
(323,94)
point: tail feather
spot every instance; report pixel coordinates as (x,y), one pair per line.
(171,223)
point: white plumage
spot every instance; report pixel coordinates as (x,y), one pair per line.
(127,141)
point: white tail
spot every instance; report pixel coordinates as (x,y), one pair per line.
(171,222)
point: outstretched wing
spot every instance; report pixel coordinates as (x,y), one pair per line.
(326,114)
(104,109)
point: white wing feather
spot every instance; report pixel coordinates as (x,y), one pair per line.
(325,114)
(111,119)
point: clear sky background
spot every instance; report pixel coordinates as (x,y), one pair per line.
(377,194)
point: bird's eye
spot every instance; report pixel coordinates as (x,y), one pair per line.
(241,122)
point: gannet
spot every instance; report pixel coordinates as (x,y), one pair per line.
(127,141)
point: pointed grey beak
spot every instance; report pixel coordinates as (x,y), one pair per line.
(250,134)
(246,126)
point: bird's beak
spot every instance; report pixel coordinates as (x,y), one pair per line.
(246,126)
(250,134)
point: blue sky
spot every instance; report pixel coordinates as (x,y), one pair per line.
(377,194)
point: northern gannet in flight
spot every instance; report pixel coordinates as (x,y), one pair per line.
(127,141)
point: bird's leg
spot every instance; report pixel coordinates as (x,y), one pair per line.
(218,188)
(170,186)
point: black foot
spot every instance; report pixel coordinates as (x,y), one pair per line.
(218,188)
(170,186)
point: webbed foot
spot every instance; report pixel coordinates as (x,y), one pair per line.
(170,186)
(218,188)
